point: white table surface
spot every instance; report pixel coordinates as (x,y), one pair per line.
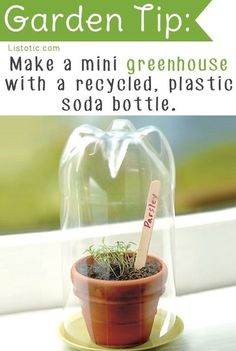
(209,318)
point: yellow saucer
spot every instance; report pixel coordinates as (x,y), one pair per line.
(80,340)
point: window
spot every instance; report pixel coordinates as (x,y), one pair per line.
(30,149)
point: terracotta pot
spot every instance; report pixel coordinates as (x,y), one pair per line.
(119,313)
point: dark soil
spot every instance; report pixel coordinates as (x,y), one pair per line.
(97,270)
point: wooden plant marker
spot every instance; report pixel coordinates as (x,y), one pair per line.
(148,223)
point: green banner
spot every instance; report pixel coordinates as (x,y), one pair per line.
(101,20)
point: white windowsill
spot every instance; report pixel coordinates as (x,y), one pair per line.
(209,318)
(30,265)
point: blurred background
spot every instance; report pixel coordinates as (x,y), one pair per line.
(30,148)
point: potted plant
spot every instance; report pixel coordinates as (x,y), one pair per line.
(118,301)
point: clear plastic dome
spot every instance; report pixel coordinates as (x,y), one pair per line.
(105,178)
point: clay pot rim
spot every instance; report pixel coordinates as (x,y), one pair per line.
(131,282)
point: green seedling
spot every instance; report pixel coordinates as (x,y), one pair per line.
(118,258)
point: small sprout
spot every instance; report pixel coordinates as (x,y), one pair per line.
(117,259)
